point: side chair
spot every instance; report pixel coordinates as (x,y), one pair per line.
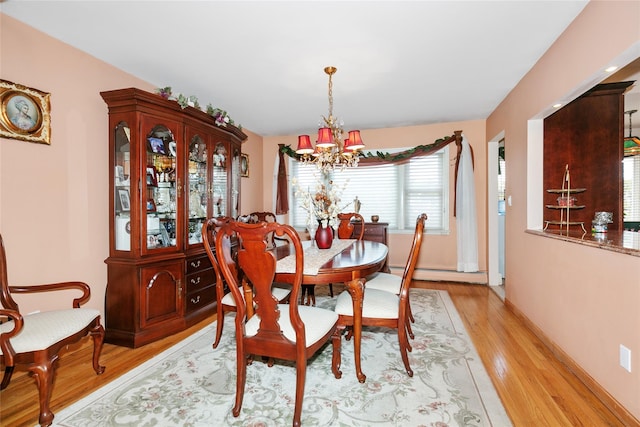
(345,231)
(282,331)
(383,308)
(35,340)
(225,301)
(391,282)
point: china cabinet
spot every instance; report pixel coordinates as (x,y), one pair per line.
(170,169)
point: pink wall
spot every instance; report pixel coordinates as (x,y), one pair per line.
(586,300)
(53,199)
(438,254)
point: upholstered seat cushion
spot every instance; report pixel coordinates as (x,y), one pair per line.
(317,322)
(384,282)
(279,293)
(376,303)
(41,330)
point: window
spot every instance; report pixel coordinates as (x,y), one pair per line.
(631,177)
(398,193)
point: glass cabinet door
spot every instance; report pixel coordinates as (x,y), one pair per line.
(235,183)
(159,195)
(220,186)
(122,187)
(198,188)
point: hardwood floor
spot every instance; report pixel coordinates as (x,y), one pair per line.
(535,388)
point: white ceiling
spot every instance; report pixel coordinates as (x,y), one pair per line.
(399,62)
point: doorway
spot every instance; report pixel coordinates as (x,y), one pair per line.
(496,182)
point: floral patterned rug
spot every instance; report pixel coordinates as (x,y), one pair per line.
(192,384)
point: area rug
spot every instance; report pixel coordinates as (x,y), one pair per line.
(191,384)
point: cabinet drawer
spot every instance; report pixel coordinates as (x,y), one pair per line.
(372,231)
(201,298)
(198,263)
(200,279)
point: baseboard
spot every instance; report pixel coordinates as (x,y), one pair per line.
(445,275)
(603,395)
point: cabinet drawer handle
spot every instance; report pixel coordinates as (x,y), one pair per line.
(195,281)
(195,264)
(195,300)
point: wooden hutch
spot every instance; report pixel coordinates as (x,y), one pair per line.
(170,169)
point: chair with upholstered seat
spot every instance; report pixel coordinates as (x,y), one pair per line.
(392,283)
(282,331)
(383,308)
(225,302)
(35,340)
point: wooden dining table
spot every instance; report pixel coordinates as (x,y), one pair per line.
(354,261)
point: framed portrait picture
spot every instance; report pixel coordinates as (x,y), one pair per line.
(123,202)
(24,113)
(151,205)
(244,165)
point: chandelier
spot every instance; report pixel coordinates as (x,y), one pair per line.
(331,150)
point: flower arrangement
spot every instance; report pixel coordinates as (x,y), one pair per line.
(220,116)
(323,205)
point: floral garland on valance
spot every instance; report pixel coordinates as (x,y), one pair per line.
(403,156)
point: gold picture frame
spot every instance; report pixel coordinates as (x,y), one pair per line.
(25,113)
(244,165)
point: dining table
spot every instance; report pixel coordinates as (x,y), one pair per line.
(347,261)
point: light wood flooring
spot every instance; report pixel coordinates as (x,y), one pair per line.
(535,388)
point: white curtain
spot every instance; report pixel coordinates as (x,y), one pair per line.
(466,218)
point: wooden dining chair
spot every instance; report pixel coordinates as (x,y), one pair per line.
(345,231)
(392,283)
(386,308)
(225,302)
(35,340)
(281,331)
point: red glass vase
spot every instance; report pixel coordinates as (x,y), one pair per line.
(324,235)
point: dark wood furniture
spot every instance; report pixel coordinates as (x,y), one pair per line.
(35,340)
(387,309)
(375,232)
(587,135)
(359,260)
(225,303)
(276,330)
(170,169)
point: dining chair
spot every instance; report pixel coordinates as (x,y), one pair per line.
(386,308)
(345,231)
(225,301)
(282,331)
(392,283)
(35,340)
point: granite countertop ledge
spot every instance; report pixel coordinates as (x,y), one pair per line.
(625,242)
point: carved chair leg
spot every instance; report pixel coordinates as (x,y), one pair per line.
(241,378)
(219,325)
(43,375)
(301,373)
(336,359)
(98,341)
(6,379)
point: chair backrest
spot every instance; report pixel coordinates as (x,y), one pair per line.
(407,275)
(256,217)
(345,228)
(6,301)
(258,264)
(209,231)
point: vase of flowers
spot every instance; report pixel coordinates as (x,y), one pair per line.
(323,207)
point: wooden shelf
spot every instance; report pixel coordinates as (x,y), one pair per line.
(565,207)
(565,190)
